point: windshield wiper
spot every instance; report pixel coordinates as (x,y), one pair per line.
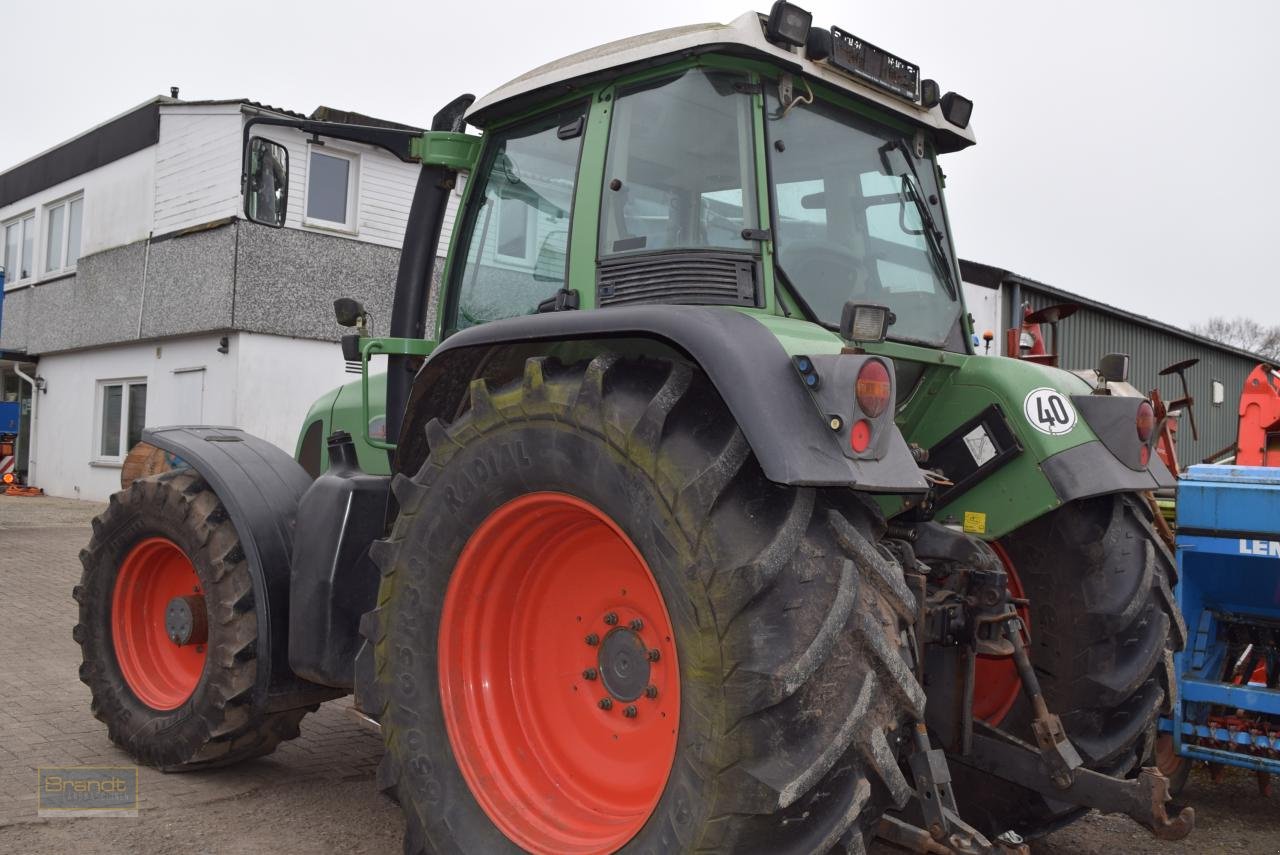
(933,235)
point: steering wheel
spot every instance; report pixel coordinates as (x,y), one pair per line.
(840,273)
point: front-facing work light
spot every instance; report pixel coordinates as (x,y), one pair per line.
(788,24)
(957,109)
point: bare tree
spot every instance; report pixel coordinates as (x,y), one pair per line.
(1244,333)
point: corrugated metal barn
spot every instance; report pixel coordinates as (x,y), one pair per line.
(1098,329)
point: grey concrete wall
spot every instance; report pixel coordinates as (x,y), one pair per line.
(98,305)
(239,276)
(287,280)
(190,283)
(13,326)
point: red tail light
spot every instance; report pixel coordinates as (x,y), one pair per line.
(1146,421)
(860,436)
(873,388)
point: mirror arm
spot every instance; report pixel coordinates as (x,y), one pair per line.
(394,140)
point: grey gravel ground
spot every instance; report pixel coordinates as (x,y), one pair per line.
(317,794)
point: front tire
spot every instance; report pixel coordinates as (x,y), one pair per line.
(781,677)
(175,706)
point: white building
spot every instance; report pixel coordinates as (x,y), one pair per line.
(137,294)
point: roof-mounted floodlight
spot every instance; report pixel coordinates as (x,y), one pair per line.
(930,93)
(788,24)
(957,109)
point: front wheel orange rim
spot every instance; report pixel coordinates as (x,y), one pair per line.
(161,673)
(558,676)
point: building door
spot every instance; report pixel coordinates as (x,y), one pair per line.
(188,397)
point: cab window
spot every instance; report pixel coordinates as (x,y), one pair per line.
(516,250)
(680,169)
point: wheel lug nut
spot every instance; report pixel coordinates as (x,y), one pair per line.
(654,654)
(611,618)
(651,691)
(590,674)
(637,624)
(630,711)
(606,704)
(592,639)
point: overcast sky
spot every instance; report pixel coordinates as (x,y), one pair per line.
(1123,147)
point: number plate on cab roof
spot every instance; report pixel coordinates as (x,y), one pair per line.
(879,67)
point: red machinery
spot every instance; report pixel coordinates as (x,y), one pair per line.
(1258,437)
(1027,341)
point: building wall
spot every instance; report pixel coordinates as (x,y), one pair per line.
(117,209)
(197,165)
(264,384)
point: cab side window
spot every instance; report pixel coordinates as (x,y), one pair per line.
(517,242)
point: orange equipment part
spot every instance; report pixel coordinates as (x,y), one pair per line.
(1258,436)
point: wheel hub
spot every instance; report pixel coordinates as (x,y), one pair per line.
(624,664)
(185,620)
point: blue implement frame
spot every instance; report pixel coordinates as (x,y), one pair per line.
(1229,574)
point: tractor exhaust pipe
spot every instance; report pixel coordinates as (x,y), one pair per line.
(417,264)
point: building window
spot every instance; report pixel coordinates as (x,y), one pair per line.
(332,189)
(19,249)
(122,413)
(62,235)
(1219,393)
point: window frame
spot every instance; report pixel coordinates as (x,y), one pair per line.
(47,210)
(470,206)
(98,455)
(530,237)
(351,225)
(19,220)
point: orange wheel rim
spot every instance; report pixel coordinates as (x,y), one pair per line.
(161,673)
(558,676)
(996,684)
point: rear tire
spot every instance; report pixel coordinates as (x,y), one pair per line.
(788,622)
(218,723)
(1104,627)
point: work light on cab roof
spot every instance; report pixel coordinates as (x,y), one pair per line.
(790,26)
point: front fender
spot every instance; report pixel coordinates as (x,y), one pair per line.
(260,487)
(740,355)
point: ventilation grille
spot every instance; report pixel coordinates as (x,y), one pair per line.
(686,277)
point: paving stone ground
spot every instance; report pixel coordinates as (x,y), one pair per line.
(316,794)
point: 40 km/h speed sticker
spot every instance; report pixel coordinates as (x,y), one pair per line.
(1049,411)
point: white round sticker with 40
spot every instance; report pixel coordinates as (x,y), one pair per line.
(1049,411)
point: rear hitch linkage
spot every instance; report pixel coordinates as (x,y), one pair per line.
(971,612)
(1053,767)
(938,828)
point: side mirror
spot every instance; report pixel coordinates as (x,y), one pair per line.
(348,312)
(1114,367)
(266,190)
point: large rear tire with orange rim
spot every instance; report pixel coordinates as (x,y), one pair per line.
(168,629)
(601,628)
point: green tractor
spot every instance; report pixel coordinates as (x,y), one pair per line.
(693,522)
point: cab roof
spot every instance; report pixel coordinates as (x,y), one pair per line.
(744,36)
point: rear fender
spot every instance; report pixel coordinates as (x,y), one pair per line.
(260,487)
(785,425)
